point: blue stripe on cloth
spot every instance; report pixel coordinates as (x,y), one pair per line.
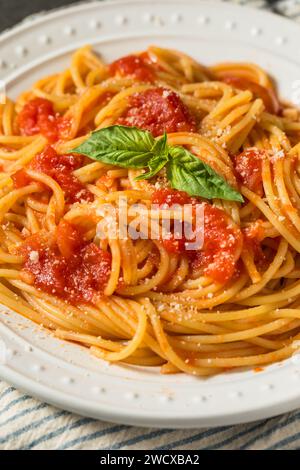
(94,435)
(198,436)
(32,425)
(269,432)
(15,402)
(283,442)
(231,439)
(24,413)
(141,438)
(58,432)
(6,392)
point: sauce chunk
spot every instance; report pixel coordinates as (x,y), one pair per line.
(132,66)
(38,117)
(158,110)
(222,246)
(67,266)
(248,166)
(222,240)
(60,168)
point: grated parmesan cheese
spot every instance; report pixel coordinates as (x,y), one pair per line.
(34,256)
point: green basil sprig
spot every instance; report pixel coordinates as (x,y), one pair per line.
(130,147)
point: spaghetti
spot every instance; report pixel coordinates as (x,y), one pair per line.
(149,302)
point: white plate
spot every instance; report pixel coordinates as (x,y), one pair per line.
(64,374)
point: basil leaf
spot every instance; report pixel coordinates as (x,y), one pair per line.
(188,173)
(130,147)
(161,147)
(127,147)
(156,163)
(159,159)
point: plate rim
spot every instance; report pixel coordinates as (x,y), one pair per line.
(147,419)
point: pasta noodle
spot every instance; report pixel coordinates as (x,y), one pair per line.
(233,303)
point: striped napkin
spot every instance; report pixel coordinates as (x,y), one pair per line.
(26,423)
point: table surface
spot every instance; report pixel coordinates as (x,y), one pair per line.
(13,11)
(26,423)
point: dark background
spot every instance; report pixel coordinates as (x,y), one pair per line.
(13,11)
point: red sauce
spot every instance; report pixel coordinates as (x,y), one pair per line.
(267,95)
(68,239)
(60,168)
(76,272)
(158,110)
(38,117)
(105,182)
(21,179)
(253,235)
(168,197)
(147,59)
(253,245)
(248,166)
(222,243)
(255,231)
(174,244)
(222,238)
(63,127)
(132,66)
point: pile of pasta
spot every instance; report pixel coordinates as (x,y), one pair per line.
(155,310)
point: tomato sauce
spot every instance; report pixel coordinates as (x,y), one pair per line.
(253,235)
(174,244)
(168,197)
(105,182)
(38,117)
(248,167)
(165,197)
(21,179)
(158,110)
(151,61)
(222,238)
(132,66)
(66,266)
(222,243)
(60,168)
